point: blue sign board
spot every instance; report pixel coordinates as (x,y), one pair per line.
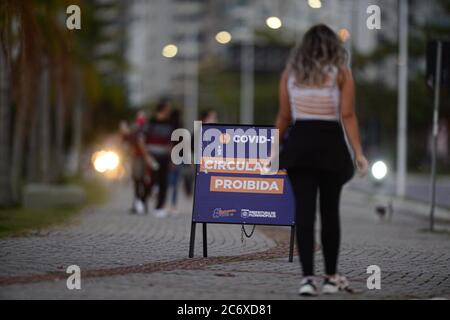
(231,186)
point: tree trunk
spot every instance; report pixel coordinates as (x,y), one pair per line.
(25,100)
(5,134)
(45,128)
(32,161)
(37,142)
(77,127)
(59,139)
(18,144)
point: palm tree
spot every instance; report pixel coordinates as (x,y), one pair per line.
(40,61)
(27,30)
(5,120)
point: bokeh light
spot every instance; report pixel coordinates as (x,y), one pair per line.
(274,22)
(223,37)
(315,4)
(170,51)
(379,170)
(104,161)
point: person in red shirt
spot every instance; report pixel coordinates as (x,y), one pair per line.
(155,143)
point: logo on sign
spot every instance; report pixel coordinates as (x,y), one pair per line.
(246,213)
(221,213)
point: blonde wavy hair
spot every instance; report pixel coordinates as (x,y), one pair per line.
(320,50)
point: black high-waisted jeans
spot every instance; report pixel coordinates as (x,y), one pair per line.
(307,184)
(318,163)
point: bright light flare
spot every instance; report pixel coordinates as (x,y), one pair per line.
(379,170)
(104,161)
(170,51)
(315,4)
(274,22)
(223,37)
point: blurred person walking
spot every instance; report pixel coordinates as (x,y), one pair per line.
(140,172)
(155,144)
(317,99)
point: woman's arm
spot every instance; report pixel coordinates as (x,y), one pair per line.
(349,118)
(284,117)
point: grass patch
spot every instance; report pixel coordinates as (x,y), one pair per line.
(96,192)
(21,221)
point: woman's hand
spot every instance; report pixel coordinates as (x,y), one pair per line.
(362,165)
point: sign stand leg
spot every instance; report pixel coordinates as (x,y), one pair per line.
(192,241)
(291,245)
(205,241)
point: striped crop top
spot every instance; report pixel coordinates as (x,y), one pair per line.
(315,103)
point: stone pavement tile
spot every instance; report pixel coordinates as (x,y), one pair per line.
(180,284)
(414,264)
(204,284)
(110,237)
(259,279)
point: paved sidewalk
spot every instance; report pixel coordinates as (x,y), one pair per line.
(418,188)
(131,257)
(109,237)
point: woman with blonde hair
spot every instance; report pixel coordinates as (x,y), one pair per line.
(317,99)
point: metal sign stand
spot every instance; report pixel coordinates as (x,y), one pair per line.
(437,86)
(205,241)
(205,230)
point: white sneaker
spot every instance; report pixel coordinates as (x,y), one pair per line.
(334,284)
(139,207)
(160,213)
(308,287)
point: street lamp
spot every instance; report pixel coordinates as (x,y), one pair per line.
(170,51)
(223,37)
(315,4)
(274,22)
(244,34)
(402,118)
